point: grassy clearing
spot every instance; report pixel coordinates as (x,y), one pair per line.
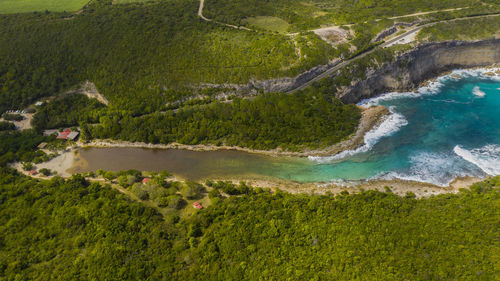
(25,6)
(130,1)
(305,15)
(268,23)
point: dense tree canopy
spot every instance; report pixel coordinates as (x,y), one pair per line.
(292,122)
(74,229)
(140,56)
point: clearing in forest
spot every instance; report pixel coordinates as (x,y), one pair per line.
(25,6)
(128,1)
(268,23)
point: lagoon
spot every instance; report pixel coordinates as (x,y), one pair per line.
(447,129)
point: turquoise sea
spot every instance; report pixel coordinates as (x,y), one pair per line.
(447,129)
(450,128)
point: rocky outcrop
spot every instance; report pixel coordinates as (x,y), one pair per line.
(287,84)
(385,33)
(428,61)
(272,85)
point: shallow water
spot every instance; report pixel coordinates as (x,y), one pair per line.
(448,129)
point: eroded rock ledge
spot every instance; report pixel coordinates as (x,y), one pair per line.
(428,61)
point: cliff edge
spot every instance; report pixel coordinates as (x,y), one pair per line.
(427,61)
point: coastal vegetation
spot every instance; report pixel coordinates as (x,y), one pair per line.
(19,146)
(162,52)
(291,122)
(80,229)
(469,29)
(6,126)
(305,15)
(67,111)
(160,67)
(140,56)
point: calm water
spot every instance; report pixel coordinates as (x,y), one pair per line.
(450,128)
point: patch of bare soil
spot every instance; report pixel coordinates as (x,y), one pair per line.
(334,35)
(89,89)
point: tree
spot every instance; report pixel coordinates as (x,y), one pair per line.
(46,172)
(28,166)
(192,190)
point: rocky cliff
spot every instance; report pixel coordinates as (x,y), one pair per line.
(423,63)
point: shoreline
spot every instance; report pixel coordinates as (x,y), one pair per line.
(61,165)
(69,160)
(66,163)
(371,118)
(396,186)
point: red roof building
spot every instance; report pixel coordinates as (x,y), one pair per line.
(33,172)
(145,180)
(67,134)
(197,205)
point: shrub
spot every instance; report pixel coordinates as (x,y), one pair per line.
(45,172)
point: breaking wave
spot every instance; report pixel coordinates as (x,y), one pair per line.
(487,158)
(389,126)
(435,168)
(434,87)
(477,92)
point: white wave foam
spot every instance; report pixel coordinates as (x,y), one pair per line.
(435,168)
(477,92)
(433,87)
(484,73)
(487,158)
(389,126)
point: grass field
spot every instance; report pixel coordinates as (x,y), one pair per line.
(130,1)
(268,23)
(25,6)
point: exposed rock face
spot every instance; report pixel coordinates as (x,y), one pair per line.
(272,85)
(425,62)
(385,33)
(287,84)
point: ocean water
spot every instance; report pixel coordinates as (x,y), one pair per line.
(450,128)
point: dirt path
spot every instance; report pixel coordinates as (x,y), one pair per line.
(200,14)
(429,12)
(404,36)
(89,89)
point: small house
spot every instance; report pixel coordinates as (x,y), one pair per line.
(197,205)
(33,172)
(50,132)
(67,134)
(145,180)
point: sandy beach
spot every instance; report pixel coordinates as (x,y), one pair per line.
(60,164)
(70,160)
(397,186)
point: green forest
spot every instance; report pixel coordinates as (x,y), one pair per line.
(82,228)
(291,122)
(140,56)
(471,29)
(159,66)
(76,229)
(305,15)
(145,55)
